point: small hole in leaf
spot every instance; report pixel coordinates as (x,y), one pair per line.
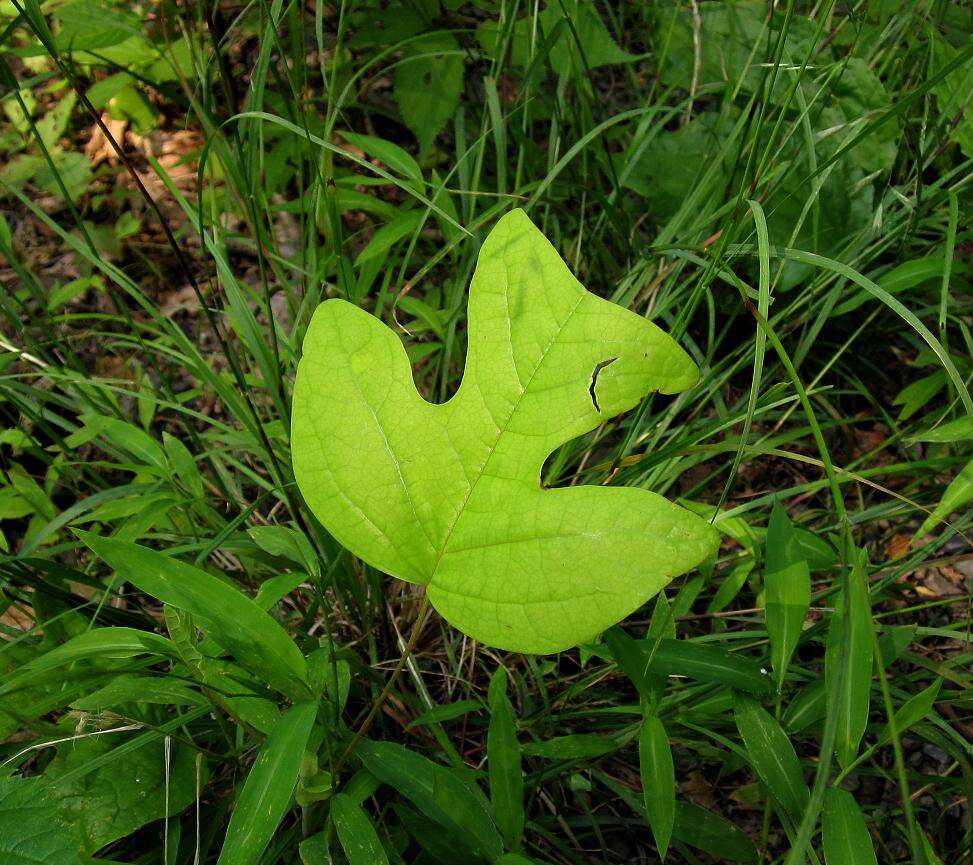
(594,380)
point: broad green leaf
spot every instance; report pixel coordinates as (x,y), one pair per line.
(658,781)
(229,616)
(454,499)
(852,611)
(269,787)
(436,791)
(119,794)
(860,95)
(503,763)
(771,755)
(953,94)
(846,838)
(32,831)
(358,837)
(586,32)
(428,84)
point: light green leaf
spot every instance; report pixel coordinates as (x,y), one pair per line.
(957,430)
(846,838)
(454,499)
(388,235)
(229,616)
(574,746)
(31,829)
(771,755)
(140,688)
(658,780)
(357,834)
(268,789)
(98,643)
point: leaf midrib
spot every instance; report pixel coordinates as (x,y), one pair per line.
(502,430)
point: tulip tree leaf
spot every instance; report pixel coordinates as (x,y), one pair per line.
(449,495)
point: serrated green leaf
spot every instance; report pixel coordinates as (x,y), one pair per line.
(454,498)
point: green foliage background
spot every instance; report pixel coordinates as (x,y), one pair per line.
(193,671)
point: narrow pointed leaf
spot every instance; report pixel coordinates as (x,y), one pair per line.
(771,755)
(852,611)
(436,791)
(846,838)
(711,833)
(233,620)
(503,763)
(911,712)
(788,598)
(268,789)
(358,837)
(454,499)
(658,780)
(684,658)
